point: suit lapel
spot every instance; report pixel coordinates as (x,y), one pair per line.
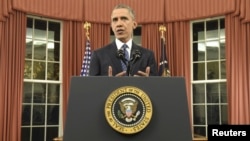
(135,64)
(116,61)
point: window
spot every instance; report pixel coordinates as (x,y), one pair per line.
(209,96)
(42,83)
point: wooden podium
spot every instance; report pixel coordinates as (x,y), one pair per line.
(86,117)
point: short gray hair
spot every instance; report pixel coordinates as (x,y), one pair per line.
(130,10)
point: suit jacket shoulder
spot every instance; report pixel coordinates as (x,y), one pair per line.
(104,57)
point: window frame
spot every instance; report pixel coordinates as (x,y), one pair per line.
(206,81)
(47,81)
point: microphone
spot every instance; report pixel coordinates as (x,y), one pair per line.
(135,56)
(121,55)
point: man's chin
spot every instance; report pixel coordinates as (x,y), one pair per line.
(121,38)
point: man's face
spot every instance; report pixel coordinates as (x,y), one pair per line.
(122,24)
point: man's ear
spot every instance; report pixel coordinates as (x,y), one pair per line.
(135,25)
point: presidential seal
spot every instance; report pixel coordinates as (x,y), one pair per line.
(128,110)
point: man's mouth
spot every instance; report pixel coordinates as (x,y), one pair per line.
(119,31)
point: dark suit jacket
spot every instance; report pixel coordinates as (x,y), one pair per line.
(107,56)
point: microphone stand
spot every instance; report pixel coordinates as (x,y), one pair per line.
(131,62)
(129,67)
(135,56)
(120,55)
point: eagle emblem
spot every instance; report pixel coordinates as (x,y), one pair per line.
(128,109)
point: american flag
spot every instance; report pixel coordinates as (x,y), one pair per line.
(163,66)
(86,60)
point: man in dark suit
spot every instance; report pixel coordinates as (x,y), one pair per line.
(111,60)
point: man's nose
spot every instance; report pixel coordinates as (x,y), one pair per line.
(119,22)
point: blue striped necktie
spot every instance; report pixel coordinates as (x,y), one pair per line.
(124,66)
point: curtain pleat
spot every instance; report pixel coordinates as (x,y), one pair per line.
(12,61)
(73,51)
(58,9)
(2,80)
(179,10)
(148,31)
(237,54)
(99,35)
(5,9)
(177,48)
(148,11)
(176,15)
(1,35)
(244,10)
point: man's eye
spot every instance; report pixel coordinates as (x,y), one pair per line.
(124,18)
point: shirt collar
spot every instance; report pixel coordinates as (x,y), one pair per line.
(119,44)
